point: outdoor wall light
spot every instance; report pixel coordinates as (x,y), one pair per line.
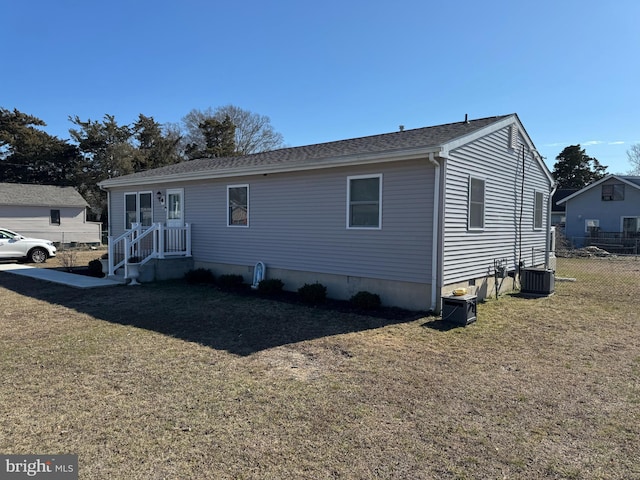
(160,198)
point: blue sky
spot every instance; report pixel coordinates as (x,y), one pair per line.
(335,69)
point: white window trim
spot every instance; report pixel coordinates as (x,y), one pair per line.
(586,223)
(362,177)
(535,197)
(484,204)
(126,194)
(137,194)
(229,187)
(167,206)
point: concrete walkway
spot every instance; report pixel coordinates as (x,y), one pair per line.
(56,276)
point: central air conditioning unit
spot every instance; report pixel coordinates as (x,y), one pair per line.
(537,281)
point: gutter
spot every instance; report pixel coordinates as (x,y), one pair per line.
(435,243)
(548,239)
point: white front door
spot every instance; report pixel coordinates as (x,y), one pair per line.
(175,207)
(175,239)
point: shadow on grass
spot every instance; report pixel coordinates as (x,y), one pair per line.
(241,323)
(441,325)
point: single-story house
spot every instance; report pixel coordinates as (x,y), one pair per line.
(605,213)
(47,211)
(409,215)
(558,216)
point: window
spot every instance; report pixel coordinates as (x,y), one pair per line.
(54,216)
(631,227)
(174,205)
(130,209)
(591,225)
(613,192)
(537,210)
(364,204)
(137,209)
(238,205)
(476,203)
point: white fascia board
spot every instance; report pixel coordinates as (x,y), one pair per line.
(346,161)
(470,137)
(494,127)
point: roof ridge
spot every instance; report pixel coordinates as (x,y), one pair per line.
(325,153)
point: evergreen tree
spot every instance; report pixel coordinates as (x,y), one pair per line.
(575,169)
(155,148)
(29,155)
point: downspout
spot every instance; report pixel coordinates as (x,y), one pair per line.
(548,240)
(436,230)
(110,254)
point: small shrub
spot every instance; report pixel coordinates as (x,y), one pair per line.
(366,300)
(271,286)
(230,281)
(68,259)
(199,275)
(105,256)
(95,268)
(313,294)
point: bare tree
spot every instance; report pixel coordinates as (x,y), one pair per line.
(253,132)
(633,154)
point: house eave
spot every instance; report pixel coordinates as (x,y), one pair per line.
(48,205)
(595,184)
(343,161)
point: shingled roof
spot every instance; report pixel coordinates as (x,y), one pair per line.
(313,156)
(40,195)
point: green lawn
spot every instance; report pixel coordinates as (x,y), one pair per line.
(174,381)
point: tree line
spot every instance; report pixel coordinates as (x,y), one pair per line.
(100,149)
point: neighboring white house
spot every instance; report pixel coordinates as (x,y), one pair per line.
(408,215)
(47,211)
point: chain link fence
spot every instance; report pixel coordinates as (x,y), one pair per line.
(609,276)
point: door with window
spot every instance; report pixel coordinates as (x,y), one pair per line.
(175,207)
(631,227)
(175,240)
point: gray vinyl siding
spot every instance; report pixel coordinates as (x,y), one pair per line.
(297,221)
(471,254)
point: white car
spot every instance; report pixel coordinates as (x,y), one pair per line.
(15,246)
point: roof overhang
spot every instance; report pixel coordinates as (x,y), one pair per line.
(494,127)
(247,170)
(595,184)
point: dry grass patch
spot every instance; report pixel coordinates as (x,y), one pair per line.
(171,381)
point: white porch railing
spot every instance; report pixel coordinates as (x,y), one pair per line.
(145,243)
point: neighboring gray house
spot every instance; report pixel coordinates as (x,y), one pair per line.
(558,216)
(409,215)
(605,213)
(47,211)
